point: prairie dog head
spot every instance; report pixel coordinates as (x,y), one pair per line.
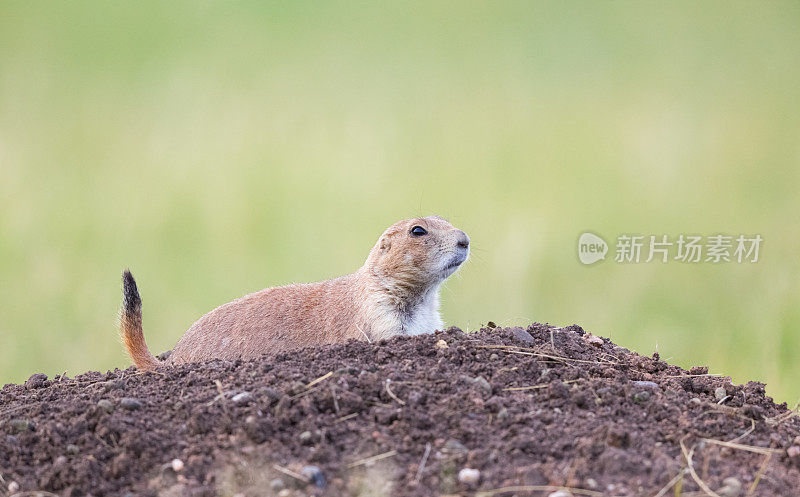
(415,255)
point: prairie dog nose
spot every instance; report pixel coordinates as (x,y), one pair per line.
(462,239)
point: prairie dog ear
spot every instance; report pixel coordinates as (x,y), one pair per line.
(386,243)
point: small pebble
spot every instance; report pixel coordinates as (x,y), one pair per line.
(732,482)
(494,357)
(416,397)
(720,393)
(561,493)
(591,483)
(130,404)
(491,324)
(503,414)
(646,384)
(315,475)
(441,344)
(455,447)
(177,465)
(731,487)
(72,449)
(641,397)
(469,476)
(115,385)
(696,401)
(296,387)
(242,398)
(593,340)
(37,380)
(276,484)
(105,405)
(522,335)
(270,393)
(60,461)
(481,383)
(13,487)
(19,425)
(753,411)
(285,493)
(305,438)
(793,451)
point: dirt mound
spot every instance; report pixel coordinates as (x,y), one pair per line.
(531,410)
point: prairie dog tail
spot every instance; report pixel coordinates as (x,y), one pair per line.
(130,325)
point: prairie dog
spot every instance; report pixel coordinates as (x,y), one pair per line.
(395,292)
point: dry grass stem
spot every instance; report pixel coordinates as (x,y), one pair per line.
(535,387)
(422,462)
(761,470)
(345,418)
(537,488)
(291,473)
(515,350)
(321,378)
(675,479)
(749,448)
(368,460)
(687,454)
(391,394)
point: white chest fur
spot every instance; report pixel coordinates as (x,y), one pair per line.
(386,319)
(424,317)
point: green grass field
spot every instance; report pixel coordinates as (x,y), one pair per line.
(217,147)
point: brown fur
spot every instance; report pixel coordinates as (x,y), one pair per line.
(394,292)
(130,325)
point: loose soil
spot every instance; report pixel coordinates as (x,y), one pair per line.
(533,410)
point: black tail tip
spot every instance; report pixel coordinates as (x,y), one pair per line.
(130,292)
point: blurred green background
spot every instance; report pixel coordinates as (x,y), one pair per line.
(216,148)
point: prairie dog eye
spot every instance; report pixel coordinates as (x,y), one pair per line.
(418,231)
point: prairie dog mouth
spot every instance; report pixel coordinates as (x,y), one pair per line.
(457,260)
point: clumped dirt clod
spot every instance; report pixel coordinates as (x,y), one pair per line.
(503,411)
